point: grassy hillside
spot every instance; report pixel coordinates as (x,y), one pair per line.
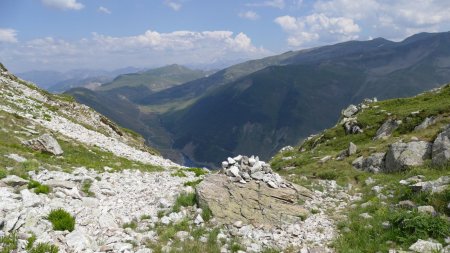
(259,106)
(248,117)
(155,79)
(360,234)
(279,105)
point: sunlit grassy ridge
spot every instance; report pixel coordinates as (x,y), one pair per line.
(368,235)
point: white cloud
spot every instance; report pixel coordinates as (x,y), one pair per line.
(8,35)
(250,15)
(149,49)
(391,19)
(104,10)
(176,6)
(317,29)
(331,21)
(64,4)
(280,4)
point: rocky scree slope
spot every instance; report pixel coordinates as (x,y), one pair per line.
(395,153)
(57,154)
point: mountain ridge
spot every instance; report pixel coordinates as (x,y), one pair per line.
(382,68)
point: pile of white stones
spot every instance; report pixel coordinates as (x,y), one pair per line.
(244,169)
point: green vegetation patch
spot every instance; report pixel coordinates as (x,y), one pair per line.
(38,187)
(193,183)
(167,233)
(8,243)
(86,186)
(61,220)
(44,248)
(183,200)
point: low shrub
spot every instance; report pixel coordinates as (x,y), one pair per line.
(38,187)
(198,171)
(3,173)
(44,189)
(327,175)
(61,220)
(178,173)
(411,226)
(206,214)
(44,248)
(132,224)
(184,199)
(33,184)
(86,188)
(8,243)
(193,183)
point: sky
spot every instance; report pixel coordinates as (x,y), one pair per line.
(111,34)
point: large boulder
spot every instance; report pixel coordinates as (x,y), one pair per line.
(350,111)
(374,163)
(253,203)
(441,147)
(402,155)
(45,143)
(428,121)
(424,246)
(351,126)
(387,128)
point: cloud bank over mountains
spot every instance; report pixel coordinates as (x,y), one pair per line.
(330,21)
(150,48)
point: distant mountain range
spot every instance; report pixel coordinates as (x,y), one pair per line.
(259,106)
(59,82)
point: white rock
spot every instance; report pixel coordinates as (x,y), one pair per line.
(13,180)
(60,183)
(272,184)
(325,159)
(234,171)
(198,220)
(79,241)
(224,164)
(30,199)
(107,221)
(74,193)
(165,220)
(231,161)
(426,209)
(423,246)
(146,250)
(251,161)
(16,158)
(182,235)
(238,224)
(365,216)
(238,158)
(164,203)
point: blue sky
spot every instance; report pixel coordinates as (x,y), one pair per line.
(109,34)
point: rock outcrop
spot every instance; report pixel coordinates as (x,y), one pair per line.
(252,203)
(402,155)
(373,163)
(45,143)
(350,111)
(428,121)
(387,129)
(351,150)
(441,147)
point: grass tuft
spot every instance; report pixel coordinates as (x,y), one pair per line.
(61,220)
(184,199)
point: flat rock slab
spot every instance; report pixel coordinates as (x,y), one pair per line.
(252,203)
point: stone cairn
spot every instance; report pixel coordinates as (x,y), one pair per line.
(244,169)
